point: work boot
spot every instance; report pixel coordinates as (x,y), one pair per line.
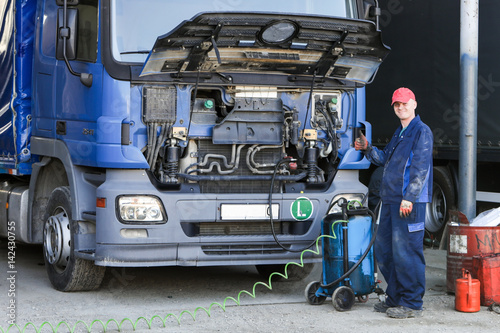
(381,307)
(403,312)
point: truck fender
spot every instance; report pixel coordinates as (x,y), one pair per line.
(56,169)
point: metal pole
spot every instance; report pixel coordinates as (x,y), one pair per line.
(469,28)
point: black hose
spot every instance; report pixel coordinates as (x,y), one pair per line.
(271,211)
(330,130)
(310,96)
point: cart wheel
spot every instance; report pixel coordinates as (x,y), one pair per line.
(343,298)
(363,298)
(311,296)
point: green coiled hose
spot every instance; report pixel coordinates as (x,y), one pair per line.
(119,324)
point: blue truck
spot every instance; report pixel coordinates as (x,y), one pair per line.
(196,133)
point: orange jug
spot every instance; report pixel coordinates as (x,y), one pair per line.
(467,293)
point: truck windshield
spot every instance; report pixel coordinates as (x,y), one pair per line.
(135,25)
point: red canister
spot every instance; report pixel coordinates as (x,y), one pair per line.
(467,293)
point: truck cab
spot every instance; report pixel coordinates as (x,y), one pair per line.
(188,133)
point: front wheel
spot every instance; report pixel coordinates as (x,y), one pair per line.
(66,273)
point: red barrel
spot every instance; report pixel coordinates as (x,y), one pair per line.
(467,294)
(465,242)
(487,270)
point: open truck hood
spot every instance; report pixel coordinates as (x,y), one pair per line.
(339,48)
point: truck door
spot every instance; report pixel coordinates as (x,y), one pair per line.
(66,108)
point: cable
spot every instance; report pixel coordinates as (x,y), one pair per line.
(105,325)
(310,97)
(270,199)
(330,130)
(163,320)
(193,101)
(351,105)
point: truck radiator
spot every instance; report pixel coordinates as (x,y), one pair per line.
(266,156)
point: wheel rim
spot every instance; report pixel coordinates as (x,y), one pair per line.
(436,210)
(311,296)
(343,298)
(57,238)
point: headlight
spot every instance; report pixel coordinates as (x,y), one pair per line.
(336,209)
(141,209)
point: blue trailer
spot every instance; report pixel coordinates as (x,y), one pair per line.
(196,133)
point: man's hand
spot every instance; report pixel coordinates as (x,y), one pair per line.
(405,208)
(361,143)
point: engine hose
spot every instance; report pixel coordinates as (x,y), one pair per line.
(120,325)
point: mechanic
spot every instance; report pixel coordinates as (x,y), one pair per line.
(405,190)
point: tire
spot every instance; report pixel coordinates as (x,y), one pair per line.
(443,198)
(310,294)
(295,273)
(362,298)
(374,188)
(343,298)
(66,273)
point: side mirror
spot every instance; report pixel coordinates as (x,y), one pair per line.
(69,32)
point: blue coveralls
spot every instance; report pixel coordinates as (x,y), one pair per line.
(407,162)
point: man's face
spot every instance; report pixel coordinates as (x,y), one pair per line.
(405,111)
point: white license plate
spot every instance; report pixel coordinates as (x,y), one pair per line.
(247,212)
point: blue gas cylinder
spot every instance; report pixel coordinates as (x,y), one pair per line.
(359,235)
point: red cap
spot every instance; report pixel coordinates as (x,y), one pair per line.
(402,95)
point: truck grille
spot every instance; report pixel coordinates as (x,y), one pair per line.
(242,249)
(245,228)
(241,228)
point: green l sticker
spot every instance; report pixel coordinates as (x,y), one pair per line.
(301,209)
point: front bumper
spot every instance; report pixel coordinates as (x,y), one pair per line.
(184,241)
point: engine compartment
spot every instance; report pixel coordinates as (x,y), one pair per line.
(238,138)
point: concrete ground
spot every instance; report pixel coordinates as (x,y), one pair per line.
(152,298)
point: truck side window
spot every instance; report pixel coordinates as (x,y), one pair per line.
(87,30)
(49,31)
